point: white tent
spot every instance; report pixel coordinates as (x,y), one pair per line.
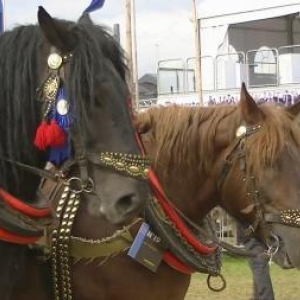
(248,24)
(252,41)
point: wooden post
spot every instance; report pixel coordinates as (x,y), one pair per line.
(131,50)
(134,58)
(128,49)
(198,72)
(3,16)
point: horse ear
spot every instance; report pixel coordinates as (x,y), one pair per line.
(85,19)
(252,114)
(56,33)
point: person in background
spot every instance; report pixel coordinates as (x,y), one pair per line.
(262,283)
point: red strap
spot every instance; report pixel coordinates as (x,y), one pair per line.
(177,264)
(15,239)
(139,141)
(23,207)
(137,135)
(171,213)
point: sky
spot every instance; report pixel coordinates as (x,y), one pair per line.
(163,27)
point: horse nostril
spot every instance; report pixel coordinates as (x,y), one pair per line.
(126,203)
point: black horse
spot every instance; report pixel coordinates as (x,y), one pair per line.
(95,162)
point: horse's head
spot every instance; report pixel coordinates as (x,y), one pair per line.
(104,143)
(259,175)
(65,82)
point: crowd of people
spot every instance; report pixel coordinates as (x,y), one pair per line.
(283,99)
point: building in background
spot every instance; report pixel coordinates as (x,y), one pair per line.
(257,42)
(147,90)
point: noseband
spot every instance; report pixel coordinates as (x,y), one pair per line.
(290,217)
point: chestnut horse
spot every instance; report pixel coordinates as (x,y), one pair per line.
(244,158)
(62,90)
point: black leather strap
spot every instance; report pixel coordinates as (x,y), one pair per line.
(18,224)
(209,264)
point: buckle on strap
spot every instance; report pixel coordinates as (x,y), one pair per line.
(77,186)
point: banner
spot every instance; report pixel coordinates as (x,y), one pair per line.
(95,4)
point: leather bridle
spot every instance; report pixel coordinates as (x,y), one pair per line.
(262,219)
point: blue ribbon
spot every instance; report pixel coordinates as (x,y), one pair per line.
(1,17)
(95,4)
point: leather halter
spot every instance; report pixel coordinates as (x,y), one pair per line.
(285,217)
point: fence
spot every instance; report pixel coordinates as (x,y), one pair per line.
(265,67)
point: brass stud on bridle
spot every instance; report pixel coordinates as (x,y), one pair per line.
(129,164)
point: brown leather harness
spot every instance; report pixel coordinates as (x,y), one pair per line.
(262,218)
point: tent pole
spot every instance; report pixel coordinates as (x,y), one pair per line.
(197,53)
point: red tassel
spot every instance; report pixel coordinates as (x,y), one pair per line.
(41,141)
(49,135)
(56,135)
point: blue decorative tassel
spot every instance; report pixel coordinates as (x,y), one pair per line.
(63,107)
(58,155)
(61,114)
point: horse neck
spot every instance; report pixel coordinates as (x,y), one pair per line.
(188,168)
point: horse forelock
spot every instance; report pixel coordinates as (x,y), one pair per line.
(278,135)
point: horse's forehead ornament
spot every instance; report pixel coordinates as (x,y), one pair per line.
(55,61)
(53,131)
(241,131)
(62,106)
(51,87)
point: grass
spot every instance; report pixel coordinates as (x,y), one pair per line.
(237,273)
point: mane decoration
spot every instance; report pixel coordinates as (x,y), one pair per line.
(53,132)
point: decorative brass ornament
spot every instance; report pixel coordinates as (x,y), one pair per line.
(241,131)
(133,165)
(55,61)
(146,172)
(120,166)
(62,107)
(67,57)
(291,217)
(51,87)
